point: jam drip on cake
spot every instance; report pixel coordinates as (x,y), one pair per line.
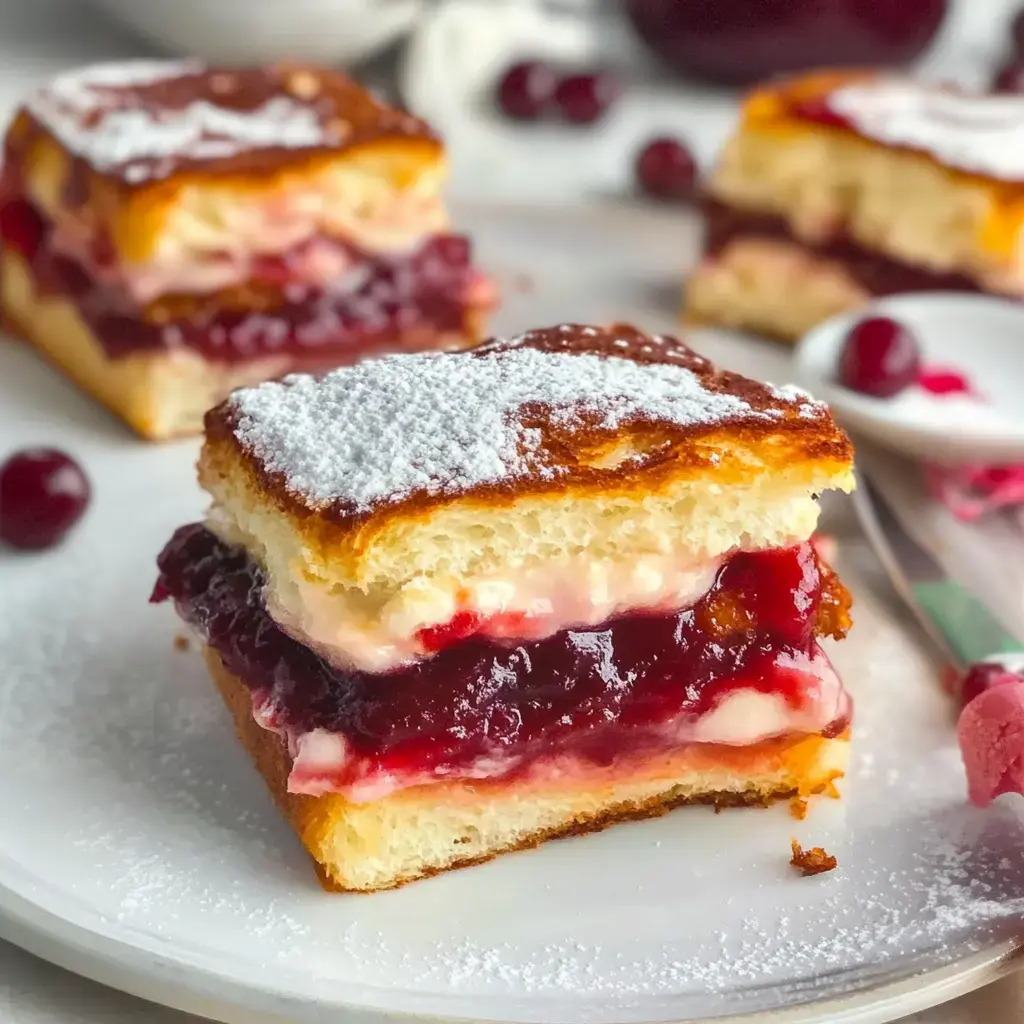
(594,694)
(427,289)
(874,272)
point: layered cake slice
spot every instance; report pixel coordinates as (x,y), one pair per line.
(838,188)
(171,231)
(462,603)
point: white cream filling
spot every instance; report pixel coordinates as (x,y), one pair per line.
(744,717)
(212,246)
(523,605)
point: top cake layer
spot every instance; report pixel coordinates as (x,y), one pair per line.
(923,174)
(558,479)
(976,133)
(567,406)
(143,121)
(165,167)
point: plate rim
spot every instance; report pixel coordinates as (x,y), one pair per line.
(117,964)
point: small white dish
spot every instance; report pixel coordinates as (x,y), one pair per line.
(253,31)
(978,336)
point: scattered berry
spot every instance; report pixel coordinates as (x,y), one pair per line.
(1010,79)
(985,676)
(665,169)
(880,358)
(43,493)
(584,99)
(526,90)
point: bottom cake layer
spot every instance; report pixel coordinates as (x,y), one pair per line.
(422,831)
(161,394)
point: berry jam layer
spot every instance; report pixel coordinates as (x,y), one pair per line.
(876,274)
(434,290)
(741,665)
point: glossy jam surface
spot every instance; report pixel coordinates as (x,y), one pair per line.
(588,692)
(874,272)
(426,289)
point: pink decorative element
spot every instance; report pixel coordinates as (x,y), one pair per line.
(970,492)
(991,735)
(973,490)
(942,381)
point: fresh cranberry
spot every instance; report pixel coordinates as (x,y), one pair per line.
(526,90)
(984,676)
(584,99)
(21,227)
(1010,79)
(880,358)
(665,169)
(43,493)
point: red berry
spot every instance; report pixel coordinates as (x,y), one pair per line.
(1010,79)
(985,676)
(880,357)
(526,90)
(43,493)
(21,227)
(584,99)
(1017,33)
(665,169)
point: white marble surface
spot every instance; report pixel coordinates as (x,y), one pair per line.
(38,37)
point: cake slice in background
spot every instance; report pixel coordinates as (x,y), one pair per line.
(462,603)
(837,188)
(171,231)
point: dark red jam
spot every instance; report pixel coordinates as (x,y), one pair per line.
(426,289)
(874,272)
(593,693)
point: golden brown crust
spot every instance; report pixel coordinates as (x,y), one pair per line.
(311,817)
(580,457)
(134,200)
(159,395)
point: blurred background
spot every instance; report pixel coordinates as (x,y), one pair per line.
(638,68)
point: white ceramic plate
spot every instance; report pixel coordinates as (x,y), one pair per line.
(137,844)
(980,336)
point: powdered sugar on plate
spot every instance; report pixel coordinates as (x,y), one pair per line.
(449,422)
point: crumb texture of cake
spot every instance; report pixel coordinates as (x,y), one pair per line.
(907,186)
(460,604)
(256,220)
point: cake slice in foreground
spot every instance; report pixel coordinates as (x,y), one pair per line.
(171,231)
(841,187)
(462,603)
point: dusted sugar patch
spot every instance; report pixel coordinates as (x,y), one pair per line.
(447,423)
(978,133)
(142,120)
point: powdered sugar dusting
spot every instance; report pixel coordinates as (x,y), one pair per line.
(977,133)
(445,423)
(88,113)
